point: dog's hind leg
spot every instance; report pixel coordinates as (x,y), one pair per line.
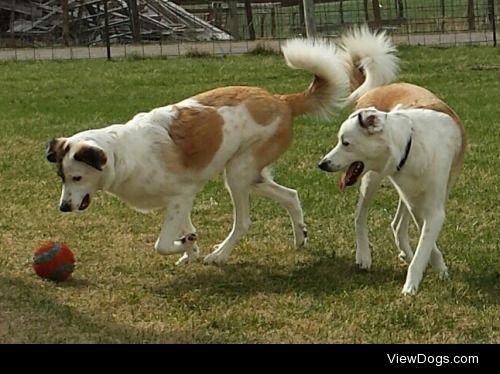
(432,220)
(437,263)
(238,178)
(400,230)
(369,185)
(177,215)
(289,199)
(436,260)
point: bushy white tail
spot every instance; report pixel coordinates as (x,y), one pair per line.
(374,54)
(331,84)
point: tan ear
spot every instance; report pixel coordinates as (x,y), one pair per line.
(55,149)
(91,155)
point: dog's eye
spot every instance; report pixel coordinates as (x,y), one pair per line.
(77,179)
(344,143)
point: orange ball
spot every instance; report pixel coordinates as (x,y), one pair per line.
(54,261)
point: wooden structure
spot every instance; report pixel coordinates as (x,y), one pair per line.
(83,21)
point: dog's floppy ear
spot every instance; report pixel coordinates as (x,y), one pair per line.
(55,151)
(91,155)
(370,121)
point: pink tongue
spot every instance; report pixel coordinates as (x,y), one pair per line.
(342,184)
(351,175)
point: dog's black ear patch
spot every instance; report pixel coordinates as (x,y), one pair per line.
(92,156)
(55,151)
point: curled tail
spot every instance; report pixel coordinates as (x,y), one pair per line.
(371,60)
(330,86)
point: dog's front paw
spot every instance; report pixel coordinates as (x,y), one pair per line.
(301,239)
(218,256)
(409,289)
(364,260)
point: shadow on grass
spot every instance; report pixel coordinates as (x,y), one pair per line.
(31,314)
(319,277)
(485,287)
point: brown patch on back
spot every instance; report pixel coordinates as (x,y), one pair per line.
(385,98)
(268,151)
(197,134)
(263,106)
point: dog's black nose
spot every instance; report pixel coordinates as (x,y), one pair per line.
(325,165)
(65,207)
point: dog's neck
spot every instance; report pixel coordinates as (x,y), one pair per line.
(399,137)
(405,155)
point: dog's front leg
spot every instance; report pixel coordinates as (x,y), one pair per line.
(369,185)
(429,232)
(169,242)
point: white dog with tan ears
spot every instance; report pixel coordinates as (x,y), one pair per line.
(405,133)
(161,159)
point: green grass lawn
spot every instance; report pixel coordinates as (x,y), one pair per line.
(268,292)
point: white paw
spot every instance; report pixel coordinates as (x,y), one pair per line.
(301,239)
(443,274)
(216,257)
(441,269)
(189,256)
(409,289)
(364,260)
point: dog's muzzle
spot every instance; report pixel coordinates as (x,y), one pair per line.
(65,207)
(85,202)
(326,165)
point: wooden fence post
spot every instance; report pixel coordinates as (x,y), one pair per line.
(443,14)
(493,20)
(106,30)
(248,11)
(400,9)
(376,13)
(65,22)
(134,20)
(470,15)
(309,18)
(233,19)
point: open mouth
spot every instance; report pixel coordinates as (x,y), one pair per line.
(85,202)
(351,175)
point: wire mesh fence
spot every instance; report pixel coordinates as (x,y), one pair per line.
(62,29)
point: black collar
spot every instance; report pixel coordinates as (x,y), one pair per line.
(405,156)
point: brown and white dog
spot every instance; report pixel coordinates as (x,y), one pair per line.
(162,158)
(403,132)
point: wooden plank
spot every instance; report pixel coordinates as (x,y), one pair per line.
(15,6)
